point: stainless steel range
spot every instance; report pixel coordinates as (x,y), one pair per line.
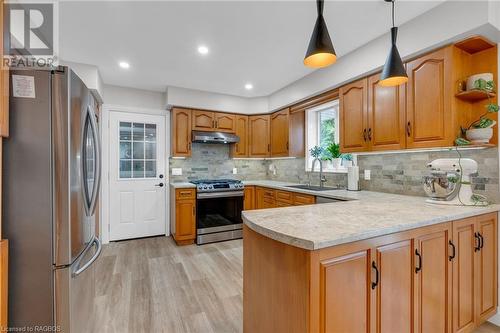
(218,210)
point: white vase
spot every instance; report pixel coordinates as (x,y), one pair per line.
(347,163)
(479,135)
(336,162)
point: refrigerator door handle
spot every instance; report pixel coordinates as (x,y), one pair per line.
(97,140)
(82,268)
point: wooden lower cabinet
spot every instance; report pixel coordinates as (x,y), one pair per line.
(264,198)
(249,198)
(270,198)
(439,278)
(184,215)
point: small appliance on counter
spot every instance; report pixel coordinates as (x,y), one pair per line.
(449,182)
(219,203)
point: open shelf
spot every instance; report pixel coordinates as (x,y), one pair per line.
(483,145)
(475,44)
(474,95)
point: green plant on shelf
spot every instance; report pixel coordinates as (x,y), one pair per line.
(333,151)
(487,87)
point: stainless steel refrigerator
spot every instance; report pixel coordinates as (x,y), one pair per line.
(51,183)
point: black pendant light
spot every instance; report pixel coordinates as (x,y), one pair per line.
(320,52)
(394,73)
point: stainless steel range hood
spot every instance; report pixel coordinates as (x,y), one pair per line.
(215,137)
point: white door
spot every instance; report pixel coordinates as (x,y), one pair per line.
(137,178)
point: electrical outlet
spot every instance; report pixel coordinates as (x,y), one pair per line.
(235,171)
(368,174)
(176,171)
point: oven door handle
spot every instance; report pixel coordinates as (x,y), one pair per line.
(228,194)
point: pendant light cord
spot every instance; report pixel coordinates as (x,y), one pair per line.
(319,4)
(393,24)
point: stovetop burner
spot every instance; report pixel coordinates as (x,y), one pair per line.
(218,185)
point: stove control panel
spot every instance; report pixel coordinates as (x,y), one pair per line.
(219,187)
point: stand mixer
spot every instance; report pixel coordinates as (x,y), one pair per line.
(449,182)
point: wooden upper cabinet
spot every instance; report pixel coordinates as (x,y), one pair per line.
(432,282)
(353,117)
(240,149)
(296,133)
(225,122)
(486,267)
(279,133)
(430,120)
(203,120)
(4,85)
(386,116)
(259,136)
(181,132)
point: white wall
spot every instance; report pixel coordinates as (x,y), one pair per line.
(131,97)
(89,75)
(445,23)
(212,101)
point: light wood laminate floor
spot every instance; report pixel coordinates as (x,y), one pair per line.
(152,285)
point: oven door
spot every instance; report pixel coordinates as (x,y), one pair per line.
(218,212)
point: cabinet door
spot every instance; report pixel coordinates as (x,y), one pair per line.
(181,132)
(486,267)
(259,136)
(463,275)
(429,115)
(432,283)
(386,116)
(393,295)
(303,199)
(185,219)
(203,120)
(353,117)
(279,133)
(4,85)
(225,122)
(249,198)
(240,149)
(296,135)
(345,293)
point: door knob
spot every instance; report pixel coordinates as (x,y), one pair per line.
(160,185)
(161,176)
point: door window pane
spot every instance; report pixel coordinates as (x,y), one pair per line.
(137,150)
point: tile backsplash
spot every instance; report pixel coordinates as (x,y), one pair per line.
(390,172)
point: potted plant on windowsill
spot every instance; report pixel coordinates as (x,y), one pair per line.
(480,131)
(347,160)
(334,155)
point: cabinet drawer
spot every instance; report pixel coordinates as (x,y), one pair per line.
(283,204)
(284,196)
(185,193)
(268,193)
(303,199)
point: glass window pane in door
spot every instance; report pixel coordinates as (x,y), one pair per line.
(138,150)
(125,131)
(138,169)
(125,169)
(138,132)
(150,132)
(125,150)
(150,169)
(150,150)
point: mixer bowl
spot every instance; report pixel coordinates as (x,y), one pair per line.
(442,185)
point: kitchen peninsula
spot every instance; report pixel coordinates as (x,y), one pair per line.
(385,261)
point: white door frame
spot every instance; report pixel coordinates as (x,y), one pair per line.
(104,195)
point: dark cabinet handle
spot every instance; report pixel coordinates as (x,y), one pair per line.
(287,146)
(364,134)
(419,267)
(408,129)
(451,257)
(374,266)
(481,240)
(213,123)
(159,185)
(478,246)
(370,134)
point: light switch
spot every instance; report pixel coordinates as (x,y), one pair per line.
(235,171)
(176,171)
(368,174)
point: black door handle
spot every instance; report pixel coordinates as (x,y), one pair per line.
(478,247)
(451,257)
(481,240)
(160,185)
(374,266)
(419,267)
(160,176)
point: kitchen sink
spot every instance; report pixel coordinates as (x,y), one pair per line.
(314,187)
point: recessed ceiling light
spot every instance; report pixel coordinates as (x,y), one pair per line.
(202,49)
(248,86)
(124,64)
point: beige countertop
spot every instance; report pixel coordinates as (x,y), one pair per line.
(182,185)
(365,215)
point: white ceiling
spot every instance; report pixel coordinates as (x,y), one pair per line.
(262,42)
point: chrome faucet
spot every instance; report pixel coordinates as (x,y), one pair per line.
(322,178)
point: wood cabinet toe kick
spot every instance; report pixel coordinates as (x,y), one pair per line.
(438,278)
